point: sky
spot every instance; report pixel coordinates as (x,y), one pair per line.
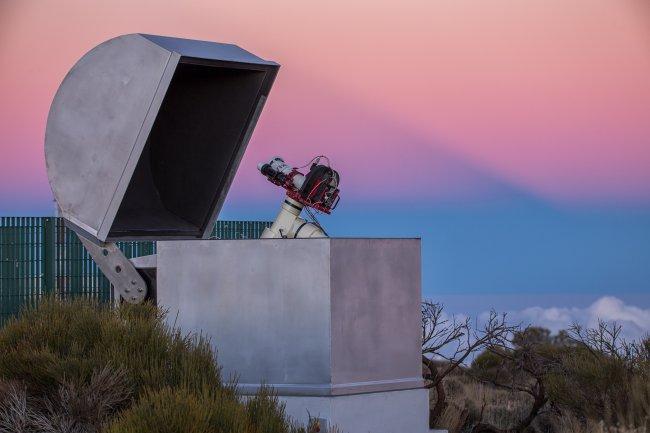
(513,137)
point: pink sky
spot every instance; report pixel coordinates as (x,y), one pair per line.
(464,98)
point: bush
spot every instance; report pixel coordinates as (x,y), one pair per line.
(266,414)
(592,385)
(170,410)
(82,367)
(208,411)
(73,408)
(69,341)
(590,381)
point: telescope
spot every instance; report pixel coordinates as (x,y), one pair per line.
(318,189)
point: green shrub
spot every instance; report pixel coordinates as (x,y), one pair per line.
(81,367)
(266,413)
(171,410)
(208,411)
(595,386)
(69,341)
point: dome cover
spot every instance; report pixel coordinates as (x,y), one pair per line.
(145,134)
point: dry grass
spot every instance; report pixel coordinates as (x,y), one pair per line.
(470,401)
(570,424)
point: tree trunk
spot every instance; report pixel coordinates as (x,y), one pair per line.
(487,428)
(440,406)
(538,404)
(441,397)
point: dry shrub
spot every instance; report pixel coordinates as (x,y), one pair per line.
(471,402)
(16,415)
(454,418)
(86,407)
(74,408)
(589,394)
(571,424)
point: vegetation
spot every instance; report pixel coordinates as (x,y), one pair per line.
(454,341)
(218,411)
(81,367)
(525,380)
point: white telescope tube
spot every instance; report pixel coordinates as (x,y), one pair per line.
(278,165)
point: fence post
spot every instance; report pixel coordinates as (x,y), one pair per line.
(49,253)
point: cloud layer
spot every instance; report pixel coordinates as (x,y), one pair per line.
(634,320)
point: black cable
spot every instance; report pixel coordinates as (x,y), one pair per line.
(300,228)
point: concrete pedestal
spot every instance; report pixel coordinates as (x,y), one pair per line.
(333,325)
(403,411)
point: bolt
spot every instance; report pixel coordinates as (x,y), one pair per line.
(118,269)
(140,289)
(105,252)
(127,290)
(133,282)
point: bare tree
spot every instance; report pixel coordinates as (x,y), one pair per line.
(606,340)
(521,366)
(605,376)
(454,341)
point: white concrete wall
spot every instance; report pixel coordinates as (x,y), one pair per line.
(403,411)
(306,316)
(333,325)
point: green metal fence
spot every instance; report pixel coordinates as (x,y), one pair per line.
(39,255)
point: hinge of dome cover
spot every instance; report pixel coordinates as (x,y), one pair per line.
(122,274)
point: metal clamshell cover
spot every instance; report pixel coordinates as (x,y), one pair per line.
(145,135)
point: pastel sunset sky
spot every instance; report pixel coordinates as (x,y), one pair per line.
(512,136)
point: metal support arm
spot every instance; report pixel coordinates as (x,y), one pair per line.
(122,274)
(288,223)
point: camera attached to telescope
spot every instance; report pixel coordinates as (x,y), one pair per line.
(318,189)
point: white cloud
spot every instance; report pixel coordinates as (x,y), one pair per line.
(634,320)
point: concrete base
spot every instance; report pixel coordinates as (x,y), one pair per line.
(333,325)
(381,412)
(309,317)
